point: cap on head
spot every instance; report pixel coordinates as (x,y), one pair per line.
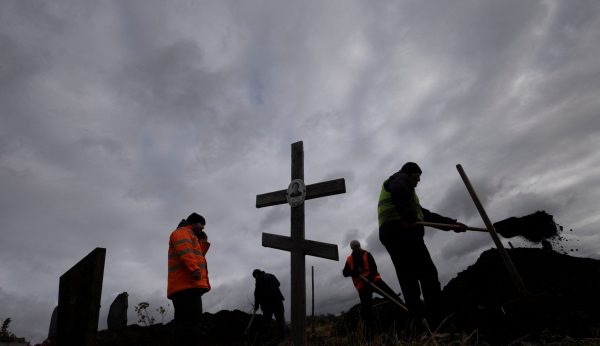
(256,273)
(355,245)
(411,167)
(195,218)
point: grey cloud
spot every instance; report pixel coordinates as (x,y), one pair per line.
(30,315)
(373,244)
(172,79)
(457,202)
(105,144)
(275,216)
(348,176)
(349,236)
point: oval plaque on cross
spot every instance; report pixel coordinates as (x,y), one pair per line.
(296,193)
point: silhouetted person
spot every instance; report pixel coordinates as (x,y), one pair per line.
(188,275)
(361,263)
(268,297)
(399,211)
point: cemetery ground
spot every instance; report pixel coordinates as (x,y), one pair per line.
(481,303)
(482,307)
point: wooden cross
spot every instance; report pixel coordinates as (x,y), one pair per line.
(295,195)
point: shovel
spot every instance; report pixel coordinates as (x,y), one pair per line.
(518,281)
(451,226)
(380,291)
(533,227)
(249,323)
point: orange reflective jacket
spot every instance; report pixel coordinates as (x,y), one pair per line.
(358,282)
(186,254)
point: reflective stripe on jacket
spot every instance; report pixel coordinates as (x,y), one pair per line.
(186,254)
(362,270)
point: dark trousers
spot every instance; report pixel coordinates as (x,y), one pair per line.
(274,308)
(414,268)
(366,303)
(366,294)
(188,314)
(188,306)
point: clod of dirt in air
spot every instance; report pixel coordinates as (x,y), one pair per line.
(534,227)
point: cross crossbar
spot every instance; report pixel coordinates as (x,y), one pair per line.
(322,189)
(308,247)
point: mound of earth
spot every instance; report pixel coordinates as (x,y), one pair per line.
(563,295)
(563,300)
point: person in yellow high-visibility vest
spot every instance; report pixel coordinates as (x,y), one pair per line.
(399,211)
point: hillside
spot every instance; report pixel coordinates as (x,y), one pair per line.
(481,300)
(563,295)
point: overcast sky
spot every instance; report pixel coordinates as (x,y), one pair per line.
(119,118)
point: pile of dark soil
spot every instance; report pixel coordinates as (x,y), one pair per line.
(563,300)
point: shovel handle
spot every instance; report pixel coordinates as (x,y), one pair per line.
(449,225)
(250,323)
(383,293)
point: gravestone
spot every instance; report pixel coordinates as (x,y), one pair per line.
(295,195)
(117,313)
(79,295)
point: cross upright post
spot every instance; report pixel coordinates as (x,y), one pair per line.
(296,193)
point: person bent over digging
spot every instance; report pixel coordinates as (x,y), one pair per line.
(361,266)
(268,297)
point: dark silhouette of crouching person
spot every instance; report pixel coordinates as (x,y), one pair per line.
(268,297)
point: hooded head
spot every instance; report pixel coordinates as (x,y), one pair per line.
(413,172)
(256,273)
(195,218)
(410,168)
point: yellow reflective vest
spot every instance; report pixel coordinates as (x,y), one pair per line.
(387,211)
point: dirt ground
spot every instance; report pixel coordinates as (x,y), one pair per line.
(563,300)
(563,295)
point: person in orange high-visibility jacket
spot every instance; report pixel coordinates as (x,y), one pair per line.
(188,272)
(361,262)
